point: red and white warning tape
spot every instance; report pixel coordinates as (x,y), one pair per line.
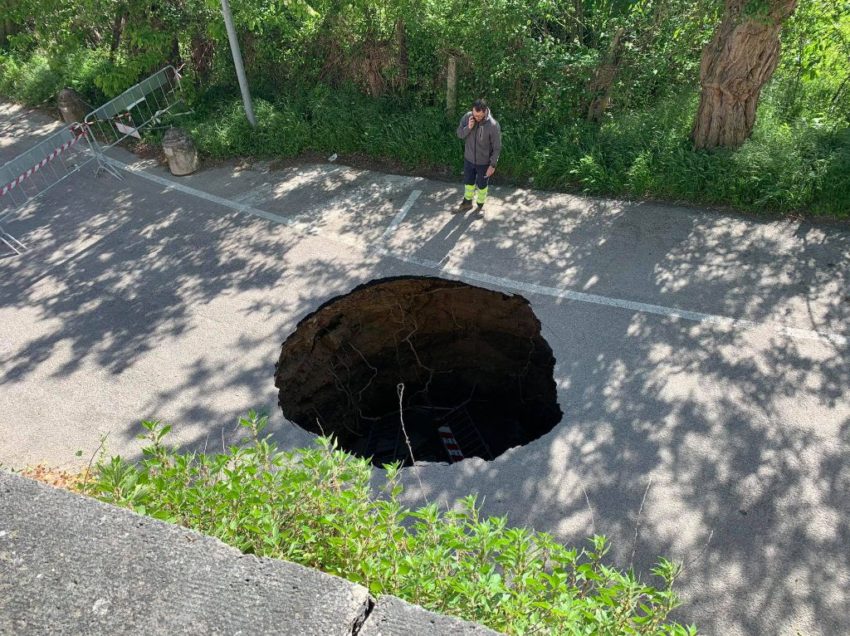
(79,132)
(450,443)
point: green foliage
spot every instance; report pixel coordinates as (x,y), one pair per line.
(316,507)
(369,78)
(784,167)
(325,120)
(225,132)
(31,81)
(37,80)
(813,79)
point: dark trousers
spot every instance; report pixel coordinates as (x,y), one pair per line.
(475,174)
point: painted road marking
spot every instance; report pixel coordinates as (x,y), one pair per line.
(505,283)
(646,308)
(400,216)
(296,222)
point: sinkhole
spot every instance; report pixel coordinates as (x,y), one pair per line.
(420,369)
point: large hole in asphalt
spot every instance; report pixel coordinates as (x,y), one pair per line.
(420,366)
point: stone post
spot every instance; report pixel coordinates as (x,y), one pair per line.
(180,151)
(72,106)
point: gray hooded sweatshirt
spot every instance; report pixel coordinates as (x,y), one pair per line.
(484,142)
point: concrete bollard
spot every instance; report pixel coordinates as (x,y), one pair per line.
(72,106)
(180,151)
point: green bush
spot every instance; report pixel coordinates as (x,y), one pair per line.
(29,80)
(225,132)
(326,121)
(37,79)
(784,167)
(316,507)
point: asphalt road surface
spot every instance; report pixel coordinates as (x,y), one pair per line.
(703,358)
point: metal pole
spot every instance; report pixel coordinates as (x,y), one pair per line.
(237,62)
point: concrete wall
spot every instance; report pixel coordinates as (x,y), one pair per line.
(73,565)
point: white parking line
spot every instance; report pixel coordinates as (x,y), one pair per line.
(296,222)
(400,216)
(505,283)
(646,308)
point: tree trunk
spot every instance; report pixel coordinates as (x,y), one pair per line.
(580,33)
(373,63)
(202,51)
(7,27)
(736,64)
(403,59)
(118,25)
(603,80)
(451,86)
(174,58)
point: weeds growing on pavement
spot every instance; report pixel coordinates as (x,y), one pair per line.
(316,507)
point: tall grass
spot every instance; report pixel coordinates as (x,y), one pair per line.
(328,121)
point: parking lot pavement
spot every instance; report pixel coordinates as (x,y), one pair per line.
(703,365)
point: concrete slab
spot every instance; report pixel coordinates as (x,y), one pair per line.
(72,565)
(703,356)
(393,617)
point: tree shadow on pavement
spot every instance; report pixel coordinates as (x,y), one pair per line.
(741,430)
(146,303)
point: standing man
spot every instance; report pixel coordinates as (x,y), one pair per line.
(482,145)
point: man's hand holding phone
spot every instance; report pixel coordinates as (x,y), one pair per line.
(471,123)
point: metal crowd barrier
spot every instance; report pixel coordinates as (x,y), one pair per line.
(137,108)
(38,169)
(51,161)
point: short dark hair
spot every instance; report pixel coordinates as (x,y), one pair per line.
(479,105)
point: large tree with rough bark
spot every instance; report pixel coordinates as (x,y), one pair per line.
(736,64)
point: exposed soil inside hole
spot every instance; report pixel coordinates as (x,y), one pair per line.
(464,368)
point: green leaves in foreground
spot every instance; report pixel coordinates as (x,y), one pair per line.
(315,507)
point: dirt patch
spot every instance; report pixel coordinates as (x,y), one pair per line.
(56,477)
